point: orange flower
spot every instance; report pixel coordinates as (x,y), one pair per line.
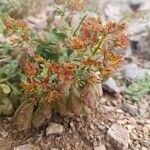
(53,96)
(25,36)
(66,75)
(46,83)
(21,25)
(90,29)
(122,26)
(91,24)
(105,71)
(77,43)
(89,61)
(31,69)
(28,86)
(122,41)
(9,23)
(113,58)
(94,79)
(68,71)
(38,58)
(55,68)
(110,27)
(69,66)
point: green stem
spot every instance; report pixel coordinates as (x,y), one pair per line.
(100,44)
(79,25)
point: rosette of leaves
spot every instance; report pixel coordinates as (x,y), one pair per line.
(136,91)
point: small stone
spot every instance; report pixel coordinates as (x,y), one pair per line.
(102,100)
(4,134)
(118,136)
(145,143)
(144,148)
(92,127)
(54,128)
(130,127)
(136,30)
(26,147)
(54,149)
(119,111)
(111,86)
(133,111)
(102,147)
(72,126)
(114,11)
(133,73)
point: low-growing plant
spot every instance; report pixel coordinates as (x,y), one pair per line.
(137,91)
(67,79)
(14,44)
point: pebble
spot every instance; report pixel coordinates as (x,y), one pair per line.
(133,111)
(118,136)
(102,147)
(110,85)
(54,128)
(26,147)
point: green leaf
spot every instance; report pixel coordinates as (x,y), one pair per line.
(9,70)
(5,88)
(6,107)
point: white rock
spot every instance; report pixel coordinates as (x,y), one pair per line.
(118,136)
(115,10)
(102,147)
(54,128)
(136,30)
(111,86)
(26,147)
(132,73)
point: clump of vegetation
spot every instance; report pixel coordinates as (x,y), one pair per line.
(65,73)
(15,42)
(137,91)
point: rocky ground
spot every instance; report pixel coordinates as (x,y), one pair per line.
(117,123)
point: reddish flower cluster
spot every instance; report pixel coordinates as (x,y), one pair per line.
(92,40)
(14,26)
(42,87)
(31,69)
(65,71)
(76,81)
(92,30)
(77,43)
